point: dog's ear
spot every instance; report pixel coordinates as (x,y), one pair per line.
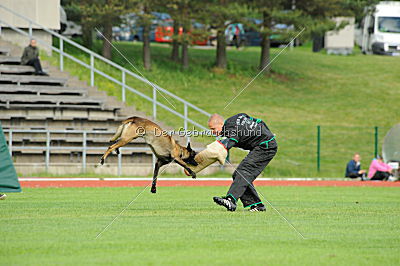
(188,147)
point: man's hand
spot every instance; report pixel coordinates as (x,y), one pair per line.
(362,172)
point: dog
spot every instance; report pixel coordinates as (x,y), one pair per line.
(165,148)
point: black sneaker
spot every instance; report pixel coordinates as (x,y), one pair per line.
(258,208)
(227,202)
(3,196)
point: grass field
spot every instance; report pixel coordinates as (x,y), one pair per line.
(347,95)
(182,226)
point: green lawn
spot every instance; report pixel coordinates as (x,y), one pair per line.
(182,226)
(347,95)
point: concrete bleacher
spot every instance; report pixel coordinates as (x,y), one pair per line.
(62,103)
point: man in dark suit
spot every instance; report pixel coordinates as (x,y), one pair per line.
(30,57)
(353,168)
(252,134)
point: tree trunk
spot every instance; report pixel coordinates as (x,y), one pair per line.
(221,49)
(175,42)
(185,51)
(87,36)
(146,47)
(185,39)
(318,42)
(265,45)
(107,32)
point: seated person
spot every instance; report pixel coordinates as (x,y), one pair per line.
(353,169)
(30,57)
(378,170)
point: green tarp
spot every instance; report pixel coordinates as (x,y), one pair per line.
(8,175)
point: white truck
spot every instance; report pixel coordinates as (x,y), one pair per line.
(379,30)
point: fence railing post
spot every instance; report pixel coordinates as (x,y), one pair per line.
(318,148)
(47,160)
(84,148)
(376,142)
(61,54)
(10,141)
(91,70)
(154,103)
(120,163)
(185,114)
(123,86)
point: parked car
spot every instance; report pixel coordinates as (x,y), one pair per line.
(68,28)
(253,38)
(122,33)
(379,30)
(165,30)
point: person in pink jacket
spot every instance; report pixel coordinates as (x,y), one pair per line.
(378,170)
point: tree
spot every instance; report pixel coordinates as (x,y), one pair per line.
(105,13)
(145,22)
(265,15)
(218,13)
(74,13)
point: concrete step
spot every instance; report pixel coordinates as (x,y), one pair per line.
(41,90)
(5,51)
(10,60)
(50,99)
(54,112)
(17,69)
(34,80)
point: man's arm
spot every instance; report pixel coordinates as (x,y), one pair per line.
(23,57)
(229,131)
(352,168)
(228,143)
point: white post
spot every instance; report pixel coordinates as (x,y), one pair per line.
(47,161)
(91,70)
(185,114)
(120,162)
(154,103)
(123,86)
(84,151)
(153,159)
(185,122)
(61,55)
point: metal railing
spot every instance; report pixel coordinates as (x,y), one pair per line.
(83,149)
(124,72)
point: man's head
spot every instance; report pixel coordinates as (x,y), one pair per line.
(215,123)
(32,43)
(357,157)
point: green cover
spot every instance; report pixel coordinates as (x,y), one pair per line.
(8,176)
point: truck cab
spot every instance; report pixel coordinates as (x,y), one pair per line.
(379,30)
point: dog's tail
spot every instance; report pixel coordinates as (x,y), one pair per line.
(118,133)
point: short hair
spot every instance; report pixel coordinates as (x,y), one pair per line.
(215,118)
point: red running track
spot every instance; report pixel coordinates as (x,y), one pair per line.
(195,183)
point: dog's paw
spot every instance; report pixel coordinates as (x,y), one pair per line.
(102,161)
(153,190)
(117,151)
(193,174)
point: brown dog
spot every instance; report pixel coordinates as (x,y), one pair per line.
(163,146)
